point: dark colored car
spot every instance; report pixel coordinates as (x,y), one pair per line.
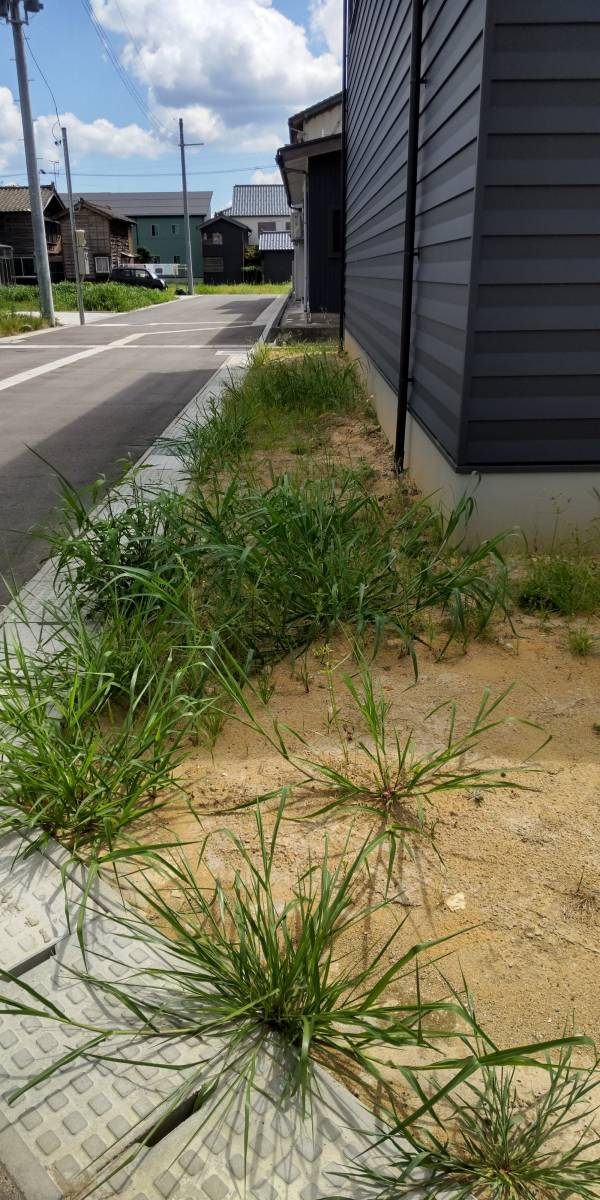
(137,277)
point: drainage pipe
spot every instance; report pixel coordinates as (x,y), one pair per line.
(408,254)
(343,171)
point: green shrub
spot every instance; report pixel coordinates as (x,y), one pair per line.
(559,584)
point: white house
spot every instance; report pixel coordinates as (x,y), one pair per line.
(263,207)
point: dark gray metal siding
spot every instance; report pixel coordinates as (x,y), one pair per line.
(377,115)
(324,195)
(533,383)
(376,131)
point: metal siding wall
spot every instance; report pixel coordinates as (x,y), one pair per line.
(324,190)
(535,363)
(377,114)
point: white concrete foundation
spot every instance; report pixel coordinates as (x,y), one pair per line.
(550,507)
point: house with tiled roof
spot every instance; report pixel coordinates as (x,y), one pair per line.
(263,207)
(16,230)
(277,256)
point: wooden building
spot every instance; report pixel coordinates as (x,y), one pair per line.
(223,243)
(109,240)
(16,230)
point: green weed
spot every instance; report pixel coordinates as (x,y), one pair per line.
(494,1145)
(97,297)
(84,756)
(558,584)
(581,642)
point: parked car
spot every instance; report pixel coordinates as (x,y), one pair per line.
(137,277)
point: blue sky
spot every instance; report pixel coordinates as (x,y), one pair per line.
(234,69)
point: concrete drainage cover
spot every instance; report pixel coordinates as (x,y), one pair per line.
(77,1128)
(32,906)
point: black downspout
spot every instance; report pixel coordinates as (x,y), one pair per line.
(343,173)
(409,230)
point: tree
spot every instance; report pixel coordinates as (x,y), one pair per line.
(143,255)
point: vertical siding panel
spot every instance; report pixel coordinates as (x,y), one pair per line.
(534,365)
(377,116)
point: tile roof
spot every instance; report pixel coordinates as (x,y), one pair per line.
(152,204)
(16,199)
(259,200)
(275,241)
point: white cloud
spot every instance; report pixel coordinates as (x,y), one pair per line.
(327,23)
(10,124)
(85,137)
(261,176)
(233,69)
(97,137)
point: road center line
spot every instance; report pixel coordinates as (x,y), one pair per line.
(34,372)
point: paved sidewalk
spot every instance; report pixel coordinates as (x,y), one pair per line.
(86,398)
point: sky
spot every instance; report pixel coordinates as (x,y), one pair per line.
(233,69)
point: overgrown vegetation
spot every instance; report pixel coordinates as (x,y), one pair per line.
(84,752)
(12,322)
(242,289)
(97,297)
(174,605)
(557,583)
(493,1144)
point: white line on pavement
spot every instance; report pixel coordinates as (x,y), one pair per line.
(45,368)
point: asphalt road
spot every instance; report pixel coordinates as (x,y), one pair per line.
(85,399)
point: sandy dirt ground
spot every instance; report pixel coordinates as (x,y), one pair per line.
(518,866)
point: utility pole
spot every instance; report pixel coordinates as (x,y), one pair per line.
(11,10)
(186,212)
(65,146)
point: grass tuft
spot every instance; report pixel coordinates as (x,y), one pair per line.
(558,584)
(496,1146)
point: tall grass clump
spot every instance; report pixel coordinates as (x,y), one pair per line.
(302,558)
(85,754)
(105,553)
(556,583)
(11,323)
(493,1144)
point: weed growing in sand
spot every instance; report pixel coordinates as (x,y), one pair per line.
(559,584)
(581,642)
(492,1144)
(385,774)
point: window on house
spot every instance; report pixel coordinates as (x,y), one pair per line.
(101,264)
(174,228)
(267,226)
(154,230)
(176,258)
(213,239)
(213,266)
(335,232)
(288,226)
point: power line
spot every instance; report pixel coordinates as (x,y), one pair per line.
(52,96)
(122,73)
(154,174)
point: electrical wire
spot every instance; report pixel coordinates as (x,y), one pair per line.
(155,174)
(126,80)
(52,96)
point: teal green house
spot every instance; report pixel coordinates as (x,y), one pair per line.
(159,224)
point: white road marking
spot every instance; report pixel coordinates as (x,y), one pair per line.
(45,368)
